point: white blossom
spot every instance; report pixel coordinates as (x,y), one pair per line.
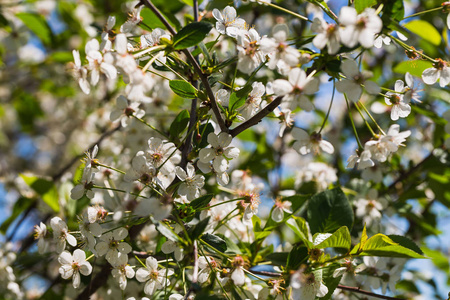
(278,48)
(440,71)
(111,244)
(327,35)
(191,182)
(307,286)
(296,87)
(306,143)
(250,56)
(220,152)
(228,22)
(359,28)
(351,85)
(61,234)
(40,232)
(400,108)
(154,279)
(122,271)
(72,266)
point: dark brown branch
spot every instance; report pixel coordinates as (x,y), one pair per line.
(258,117)
(358,290)
(194,63)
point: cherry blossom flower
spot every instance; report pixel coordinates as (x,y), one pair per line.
(72,266)
(61,234)
(171,246)
(111,244)
(222,178)
(351,85)
(363,161)
(279,209)
(306,143)
(154,38)
(250,55)
(154,279)
(285,117)
(80,73)
(89,230)
(278,47)
(399,107)
(40,231)
(369,207)
(204,264)
(85,186)
(124,112)
(411,90)
(106,44)
(380,40)
(253,101)
(238,275)
(154,207)
(307,286)
(440,71)
(359,28)
(122,271)
(162,154)
(387,144)
(296,87)
(141,170)
(227,21)
(220,152)
(97,63)
(191,182)
(133,20)
(328,35)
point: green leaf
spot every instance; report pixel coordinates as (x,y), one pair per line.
(439,259)
(215,242)
(45,188)
(361,5)
(328,211)
(166,231)
(198,229)
(202,201)
(235,102)
(425,30)
(393,9)
(301,229)
(382,245)
(180,123)
(37,25)
(340,239)
(296,257)
(278,258)
(191,35)
(20,206)
(406,242)
(183,89)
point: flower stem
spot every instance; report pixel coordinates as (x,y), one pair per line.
(285,10)
(151,126)
(409,48)
(423,12)
(353,124)
(370,116)
(111,168)
(365,121)
(329,109)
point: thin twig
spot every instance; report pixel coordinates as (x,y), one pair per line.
(258,117)
(358,290)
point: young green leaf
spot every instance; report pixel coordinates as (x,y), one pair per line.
(191,35)
(382,245)
(425,30)
(37,25)
(183,89)
(339,239)
(45,188)
(215,242)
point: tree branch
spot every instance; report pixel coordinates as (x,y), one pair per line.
(194,63)
(358,290)
(258,117)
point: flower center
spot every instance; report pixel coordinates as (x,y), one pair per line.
(128,111)
(251,49)
(154,275)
